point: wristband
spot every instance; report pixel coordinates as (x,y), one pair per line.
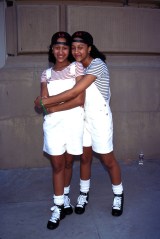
(43,107)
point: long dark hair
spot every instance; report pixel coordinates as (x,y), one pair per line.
(65,35)
(95,53)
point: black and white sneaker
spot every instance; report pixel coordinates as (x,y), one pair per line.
(81,203)
(117,207)
(68,208)
(57,215)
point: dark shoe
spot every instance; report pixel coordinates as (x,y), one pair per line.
(81,203)
(117,207)
(57,215)
(68,208)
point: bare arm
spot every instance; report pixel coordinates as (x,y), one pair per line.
(80,87)
(77,101)
(44,94)
(44,90)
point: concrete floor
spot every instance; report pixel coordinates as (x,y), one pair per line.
(26,198)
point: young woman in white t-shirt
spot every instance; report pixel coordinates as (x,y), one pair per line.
(63,131)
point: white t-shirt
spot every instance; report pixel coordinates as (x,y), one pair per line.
(59,81)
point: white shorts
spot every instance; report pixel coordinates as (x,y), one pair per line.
(63,132)
(98,129)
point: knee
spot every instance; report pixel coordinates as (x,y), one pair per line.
(109,164)
(57,168)
(68,165)
(109,160)
(86,159)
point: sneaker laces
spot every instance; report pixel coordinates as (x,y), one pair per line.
(81,200)
(117,202)
(55,214)
(67,202)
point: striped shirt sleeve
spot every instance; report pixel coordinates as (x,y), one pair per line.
(96,68)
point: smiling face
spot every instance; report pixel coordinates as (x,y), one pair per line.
(80,52)
(61,50)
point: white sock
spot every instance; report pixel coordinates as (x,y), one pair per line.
(84,185)
(58,200)
(117,189)
(66,190)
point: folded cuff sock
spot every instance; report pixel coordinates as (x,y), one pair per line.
(58,200)
(117,189)
(84,185)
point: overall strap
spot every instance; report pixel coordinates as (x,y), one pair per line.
(48,73)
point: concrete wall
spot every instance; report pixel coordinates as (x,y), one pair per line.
(21,133)
(118,29)
(2,35)
(133,59)
(135,101)
(115,29)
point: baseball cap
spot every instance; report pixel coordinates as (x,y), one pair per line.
(82,36)
(61,35)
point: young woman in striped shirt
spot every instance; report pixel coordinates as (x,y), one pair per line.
(98,126)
